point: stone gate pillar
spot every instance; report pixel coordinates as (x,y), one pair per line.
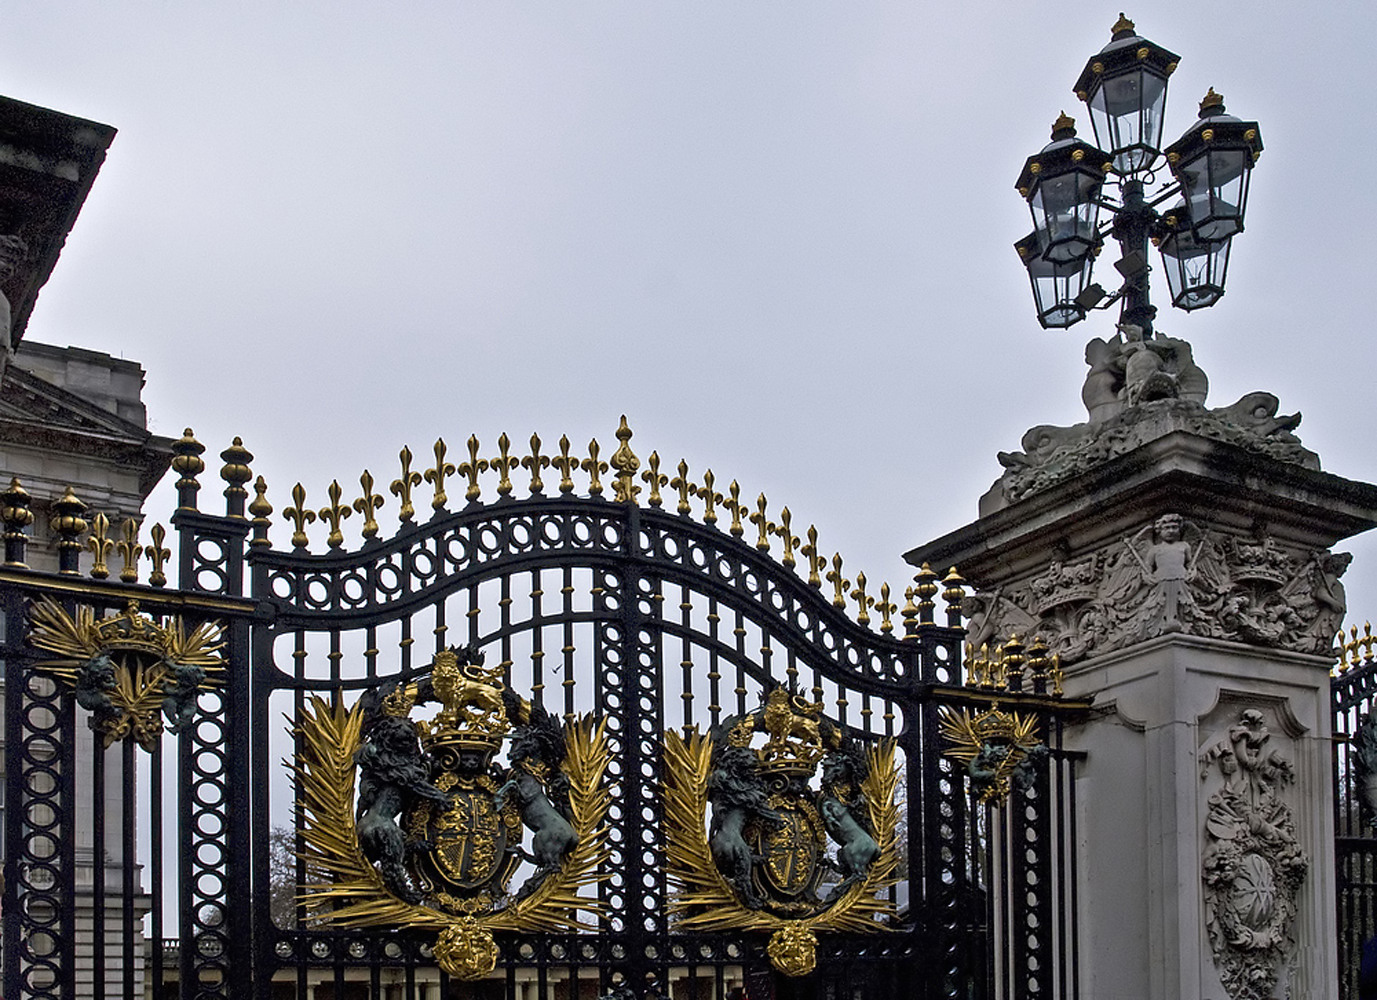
(1177,559)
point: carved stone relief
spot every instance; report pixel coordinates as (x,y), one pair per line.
(1139,389)
(1170,576)
(1252,865)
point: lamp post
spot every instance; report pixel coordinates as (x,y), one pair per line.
(1070,181)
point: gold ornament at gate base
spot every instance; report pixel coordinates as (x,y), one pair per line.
(999,749)
(761,865)
(130,670)
(411,824)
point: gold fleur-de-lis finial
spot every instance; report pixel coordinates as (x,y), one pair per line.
(886,608)
(503,465)
(534,462)
(100,545)
(685,488)
(764,526)
(626,463)
(786,533)
(863,601)
(440,471)
(594,468)
(401,488)
(472,468)
(367,504)
(300,515)
(710,499)
(653,477)
(334,514)
(566,464)
(129,550)
(839,582)
(735,508)
(158,556)
(815,558)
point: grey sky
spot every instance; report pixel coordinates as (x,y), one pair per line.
(776,235)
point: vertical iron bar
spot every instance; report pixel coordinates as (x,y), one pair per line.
(97,869)
(128,862)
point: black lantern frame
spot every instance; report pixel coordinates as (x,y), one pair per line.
(1213,163)
(1057,288)
(1062,184)
(1195,268)
(1125,88)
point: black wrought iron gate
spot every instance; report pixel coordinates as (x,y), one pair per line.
(644,626)
(1354,689)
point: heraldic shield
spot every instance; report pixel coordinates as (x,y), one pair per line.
(764,859)
(415,823)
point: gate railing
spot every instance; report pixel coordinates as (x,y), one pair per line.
(649,602)
(1353,686)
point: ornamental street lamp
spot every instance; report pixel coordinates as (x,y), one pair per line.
(1069,181)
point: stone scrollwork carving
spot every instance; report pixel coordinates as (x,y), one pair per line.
(1252,865)
(1139,389)
(1170,575)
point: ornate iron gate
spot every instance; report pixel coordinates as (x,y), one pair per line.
(1354,688)
(259,827)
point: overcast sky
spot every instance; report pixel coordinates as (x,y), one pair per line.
(776,235)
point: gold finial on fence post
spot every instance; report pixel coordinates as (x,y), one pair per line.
(16,515)
(655,480)
(534,462)
(1013,660)
(709,498)
(100,545)
(503,465)
(886,608)
(158,556)
(261,511)
(764,526)
(1038,662)
(685,487)
(367,504)
(186,462)
(235,472)
(926,589)
(566,464)
(334,514)
(436,476)
(816,562)
(129,550)
(69,526)
(839,582)
(733,504)
(300,515)
(594,468)
(471,470)
(1056,675)
(401,488)
(786,534)
(910,614)
(625,462)
(954,595)
(863,602)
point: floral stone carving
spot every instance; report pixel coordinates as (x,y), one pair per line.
(1138,389)
(1171,575)
(1252,865)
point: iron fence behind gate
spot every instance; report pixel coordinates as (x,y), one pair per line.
(1354,690)
(208,796)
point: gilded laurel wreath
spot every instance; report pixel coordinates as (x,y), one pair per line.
(129,671)
(772,890)
(464,840)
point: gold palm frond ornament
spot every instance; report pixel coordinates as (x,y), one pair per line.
(130,671)
(758,867)
(998,749)
(445,862)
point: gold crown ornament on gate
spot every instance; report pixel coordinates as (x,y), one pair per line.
(130,671)
(789,851)
(416,823)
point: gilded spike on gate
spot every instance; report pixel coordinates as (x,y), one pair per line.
(886,608)
(437,474)
(733,504)
(334,514)
(261,511)
(566,464)
(786,533)
(863,602)
(130,550)
(815,559)
(158,556)
(594,468)
(236,472)
(367,504)
(655,479)
(401,488)
(709,498)
(763,524)
(626,463)
(685,488)
(187,463)
(503,465)
(300,515)
(534,462)
(472,468)
(839,582)
(100,546)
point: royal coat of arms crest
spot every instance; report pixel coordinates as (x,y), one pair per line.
(765,860)
(416,823)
